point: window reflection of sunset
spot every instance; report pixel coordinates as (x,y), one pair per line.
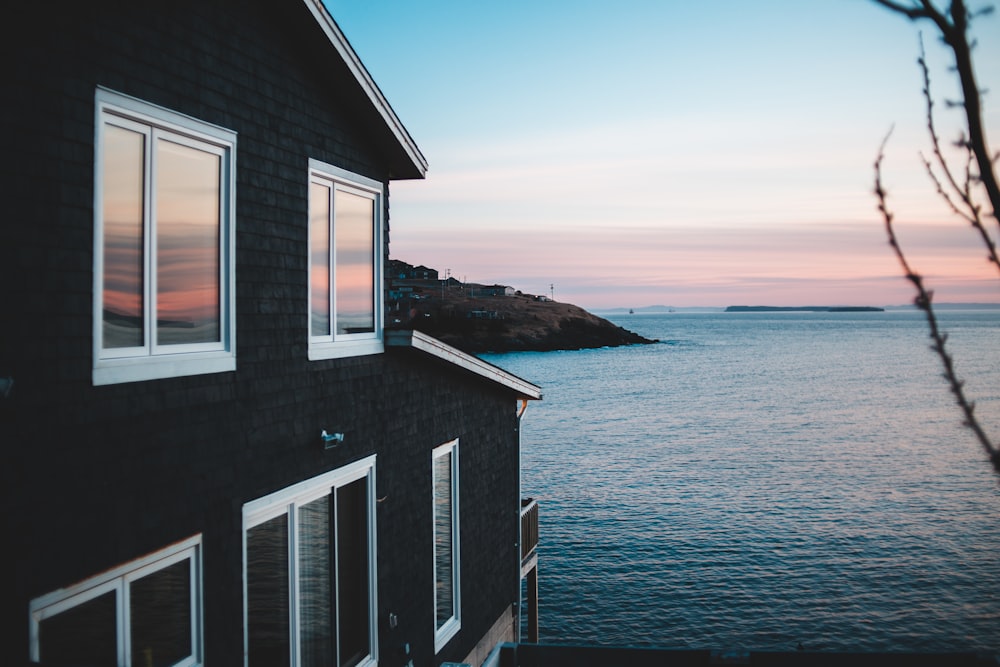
(123,235)
(355,268)
(164,243)
(319,270)
(343,264)
(187,237)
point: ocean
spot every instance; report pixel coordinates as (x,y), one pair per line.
(760,481)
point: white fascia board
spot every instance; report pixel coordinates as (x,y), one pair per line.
(347,54)
(435,348)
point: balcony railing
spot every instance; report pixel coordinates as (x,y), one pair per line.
(529,567)
(529,527)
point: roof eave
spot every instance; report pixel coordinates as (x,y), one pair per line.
(406,338)
(416,162)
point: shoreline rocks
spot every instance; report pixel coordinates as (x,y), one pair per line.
(520,323)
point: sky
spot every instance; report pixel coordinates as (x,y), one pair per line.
(668,152)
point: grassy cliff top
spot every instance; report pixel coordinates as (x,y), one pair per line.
(521,322)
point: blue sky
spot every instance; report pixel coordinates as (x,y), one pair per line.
(677,153)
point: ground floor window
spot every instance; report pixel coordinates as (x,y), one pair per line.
(310,572)
(145,612)
(447,598)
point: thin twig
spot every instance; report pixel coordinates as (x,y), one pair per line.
(929,168)
(935,142)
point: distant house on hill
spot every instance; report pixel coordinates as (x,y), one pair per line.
(424,273)
(215,452)
(400,270)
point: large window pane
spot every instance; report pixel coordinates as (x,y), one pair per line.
(188,183)
(352,571)
(267,594)
(164,242)
(319,261)
(81,635)
(315,584)
(325,614)
(122,178)
(160,606)
(345,262)
(354,230)
(443,563)
(144,613)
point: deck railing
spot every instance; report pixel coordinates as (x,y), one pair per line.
(529,567)
(529,527)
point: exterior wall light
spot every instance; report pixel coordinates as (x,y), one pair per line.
(331,440)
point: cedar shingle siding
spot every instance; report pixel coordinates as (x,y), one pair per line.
(97,476)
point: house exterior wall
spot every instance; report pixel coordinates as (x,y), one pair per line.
(95,476)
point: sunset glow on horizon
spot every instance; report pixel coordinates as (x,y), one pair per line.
(683,154)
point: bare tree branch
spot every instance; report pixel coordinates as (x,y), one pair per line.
(954,28)
(973,211)
(923,301)
(924,9)
(911,12)
(973,105)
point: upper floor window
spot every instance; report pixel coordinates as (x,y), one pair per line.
(311,572)
(345,263)
(163,256)
(146,612)
(447,589)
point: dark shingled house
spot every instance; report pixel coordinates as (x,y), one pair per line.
(214,453)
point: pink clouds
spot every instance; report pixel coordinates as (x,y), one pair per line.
(846,263)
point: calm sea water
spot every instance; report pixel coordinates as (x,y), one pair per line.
(759,480)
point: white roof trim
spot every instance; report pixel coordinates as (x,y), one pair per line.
(339,42)
(435,348)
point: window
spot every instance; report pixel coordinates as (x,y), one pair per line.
(146,612)
(345,263)
(447,598)
(163,255)
(310,572)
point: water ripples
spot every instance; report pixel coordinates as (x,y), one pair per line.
(756,482)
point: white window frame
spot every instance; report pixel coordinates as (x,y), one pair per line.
(451,627)
(286,502)
(118,580)
(337,345)
(150,362)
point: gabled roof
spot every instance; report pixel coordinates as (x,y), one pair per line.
(415,163)
(405,338)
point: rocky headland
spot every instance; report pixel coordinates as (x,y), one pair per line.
(478,318)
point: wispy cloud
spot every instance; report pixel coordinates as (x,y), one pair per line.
(779,264)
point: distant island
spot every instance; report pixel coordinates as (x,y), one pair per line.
(661,309)
(478,318)
(800,309)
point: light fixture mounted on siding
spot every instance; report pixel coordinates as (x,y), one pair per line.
(331,440)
